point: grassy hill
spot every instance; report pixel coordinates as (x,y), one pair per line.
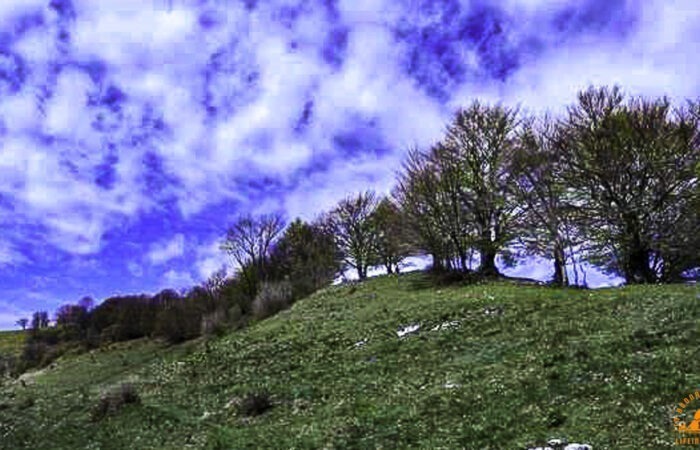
(11,342)
(494,366)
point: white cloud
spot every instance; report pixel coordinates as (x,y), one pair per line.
(158,58)
(210,258)
(10,256)
(178,279)
(164,252)
(10,313)
(654,59)
(135,269)
(11,9)
(67,109)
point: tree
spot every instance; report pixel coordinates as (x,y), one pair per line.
(72,315)
(392,237)
(545,226)
(215,283)
(40,319)
(176,321)
(425,214)
(73,321)
(355,234)
(23,322)
(307,256)
(477,148)
(249,241)
(632,169)
(87,303)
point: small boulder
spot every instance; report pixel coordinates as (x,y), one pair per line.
(410,329)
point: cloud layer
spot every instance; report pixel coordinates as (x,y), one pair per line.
(132,131)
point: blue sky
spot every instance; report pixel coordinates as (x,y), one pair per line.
(132,132)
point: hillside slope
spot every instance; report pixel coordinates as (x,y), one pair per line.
(11,343)
(493,366)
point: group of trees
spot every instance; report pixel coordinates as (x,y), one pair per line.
(613,183)
(368,231)
(276,265)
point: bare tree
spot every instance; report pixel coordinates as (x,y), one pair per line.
(425,213)
(215,283)
(23,322)
(355,233)
(249,241)
(478,145)
(545,225)
(40,319)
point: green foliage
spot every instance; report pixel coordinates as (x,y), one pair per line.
(631,167)
(306,255)
(178,319)
(393,235)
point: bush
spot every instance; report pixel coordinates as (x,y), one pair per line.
(35,354)
(177,321)
(272,298)
(113,401)
(8,365)
(214,323)
(236,317)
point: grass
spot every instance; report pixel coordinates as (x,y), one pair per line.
(517,365)
(11,342)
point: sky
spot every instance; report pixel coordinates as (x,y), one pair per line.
(133,131)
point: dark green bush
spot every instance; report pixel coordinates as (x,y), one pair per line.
(272,298)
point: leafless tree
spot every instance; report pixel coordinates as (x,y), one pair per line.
(356,235)
(249,241)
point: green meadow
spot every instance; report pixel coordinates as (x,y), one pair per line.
(482,366)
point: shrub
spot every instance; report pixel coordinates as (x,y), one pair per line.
(8,364)
(114,400)
(177,321)
(272,298)
(214,323)
(236,317)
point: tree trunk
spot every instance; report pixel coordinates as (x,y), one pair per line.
(361,272)
(437,262)
(463,261)
(637,270)
(488,262)
(389,268)
(560,276)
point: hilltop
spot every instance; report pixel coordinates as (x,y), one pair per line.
(393,362)
(11,342)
